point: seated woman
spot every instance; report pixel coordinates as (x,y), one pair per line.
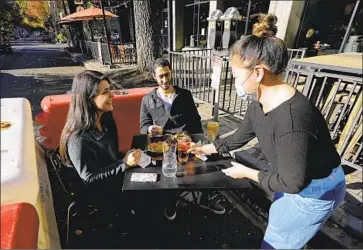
(89,140)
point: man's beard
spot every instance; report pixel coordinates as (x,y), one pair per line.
(165,86)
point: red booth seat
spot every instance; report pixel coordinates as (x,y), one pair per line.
(126,113)
(19,226)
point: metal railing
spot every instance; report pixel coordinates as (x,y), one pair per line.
(339,98)
(199,52)
(192,70)
(123,53)
(120,53)
(296,53)
(92,49)
(106,57)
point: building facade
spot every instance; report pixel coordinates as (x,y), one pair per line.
(190,28)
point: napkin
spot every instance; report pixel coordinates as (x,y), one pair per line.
(203,157)
(144,177)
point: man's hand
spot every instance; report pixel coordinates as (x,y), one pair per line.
(155,130)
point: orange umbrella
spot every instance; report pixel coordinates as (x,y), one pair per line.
(68,21)
(88,14)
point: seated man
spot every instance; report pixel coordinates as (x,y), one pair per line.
(170,109)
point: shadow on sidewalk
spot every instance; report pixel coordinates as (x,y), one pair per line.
(34,88)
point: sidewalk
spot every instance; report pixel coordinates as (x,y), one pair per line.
(345,221)
(121,76)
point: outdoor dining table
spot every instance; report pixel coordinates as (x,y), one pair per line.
(204,175)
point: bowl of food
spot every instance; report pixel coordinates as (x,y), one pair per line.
(155,149)
(157,138)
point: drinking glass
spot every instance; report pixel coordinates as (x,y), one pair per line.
(169,166)
(169,146)
(183,147)
(212,131)
(160,132)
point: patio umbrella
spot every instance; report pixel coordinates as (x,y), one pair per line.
(88,14)
(71,21)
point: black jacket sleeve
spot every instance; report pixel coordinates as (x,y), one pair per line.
(145,117)
(83,158)
(194,125)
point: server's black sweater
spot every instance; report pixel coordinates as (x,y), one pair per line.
(295,139)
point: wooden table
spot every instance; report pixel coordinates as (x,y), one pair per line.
(347,62)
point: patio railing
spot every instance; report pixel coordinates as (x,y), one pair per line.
(338,95)
(123,53)
(192,70)
(92,49)
(120,53)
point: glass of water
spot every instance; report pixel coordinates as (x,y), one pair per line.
(169,167)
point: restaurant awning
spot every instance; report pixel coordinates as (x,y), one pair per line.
(87,14)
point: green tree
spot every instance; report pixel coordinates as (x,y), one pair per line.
(9,15)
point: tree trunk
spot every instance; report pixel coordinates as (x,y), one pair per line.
(147,15)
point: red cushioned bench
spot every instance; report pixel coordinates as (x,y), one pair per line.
(19,226)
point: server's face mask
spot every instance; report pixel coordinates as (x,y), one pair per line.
(239,83)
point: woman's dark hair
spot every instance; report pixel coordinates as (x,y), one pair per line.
(262,46)
(82,111)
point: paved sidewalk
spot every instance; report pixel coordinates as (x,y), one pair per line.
(121,76)
(347,219)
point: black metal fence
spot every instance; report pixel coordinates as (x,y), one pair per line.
(120,53)
(123,53)
(192,70)
(92,49)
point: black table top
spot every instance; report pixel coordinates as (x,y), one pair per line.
(194,175)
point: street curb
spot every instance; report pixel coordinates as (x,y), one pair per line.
(89,65)
(80,59)
(338,235)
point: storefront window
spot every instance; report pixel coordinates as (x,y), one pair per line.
(196,24)
(329,30)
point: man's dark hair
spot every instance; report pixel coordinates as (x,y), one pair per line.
(161,62)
